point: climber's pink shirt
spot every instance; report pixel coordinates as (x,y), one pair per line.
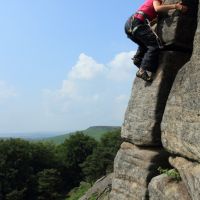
(148,9)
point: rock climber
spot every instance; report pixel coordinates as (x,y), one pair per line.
(138,29)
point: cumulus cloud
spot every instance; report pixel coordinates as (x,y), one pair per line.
(68,89)
(94,92)
(120,68)
(6,91)
(86,68)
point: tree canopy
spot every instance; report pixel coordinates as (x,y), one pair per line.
(40,171)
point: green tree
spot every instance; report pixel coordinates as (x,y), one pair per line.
(101,161)
(20,161)
(43,156)
(15,168)
(49,185)
(74,151)
(16,195)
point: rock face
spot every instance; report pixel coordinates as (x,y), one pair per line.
(175,92)
(134,167)
(147,103)
(100,189)
(181,120)
(164,188)
(190,174)
(172,24)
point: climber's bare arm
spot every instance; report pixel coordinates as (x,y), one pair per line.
(162,8)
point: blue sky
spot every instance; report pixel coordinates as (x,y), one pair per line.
(64,64)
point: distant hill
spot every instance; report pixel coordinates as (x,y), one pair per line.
(32,135)
(94,131)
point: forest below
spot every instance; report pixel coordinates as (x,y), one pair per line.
(44,170)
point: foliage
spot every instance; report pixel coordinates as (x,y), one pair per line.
(43,156)
(15,169)
(172,173)
(93,197)
(77,148)
(74,152)
(49,185)
(78,192)
(20,161)
(95,132)
(101,161)
(42,170)
(16,195)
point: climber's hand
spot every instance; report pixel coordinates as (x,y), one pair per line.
(179,6)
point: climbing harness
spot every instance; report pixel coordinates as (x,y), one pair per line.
(149,24)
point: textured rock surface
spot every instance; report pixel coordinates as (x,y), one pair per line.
(100,189)
(177,29)
(133,169)
(181,121)
(135,166)
(190,174)
(164,188)
(146,106)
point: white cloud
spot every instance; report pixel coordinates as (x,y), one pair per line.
(86,68)
(61,100)
(68,89)
(120,68)
(93,92)
(6,91)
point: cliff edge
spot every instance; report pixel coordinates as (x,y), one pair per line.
(161,128)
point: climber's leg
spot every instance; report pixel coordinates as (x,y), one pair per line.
(148,39)
(138,57)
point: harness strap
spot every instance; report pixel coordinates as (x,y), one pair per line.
(149,24)
(142,13)
(135,28)
(132,30)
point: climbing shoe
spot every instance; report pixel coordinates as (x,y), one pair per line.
(144,75)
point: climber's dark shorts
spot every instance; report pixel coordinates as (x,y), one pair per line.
(146,56)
